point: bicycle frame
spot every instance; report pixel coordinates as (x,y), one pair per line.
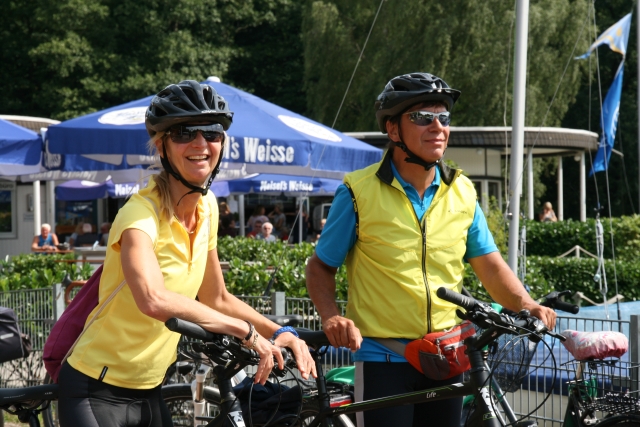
(478,384)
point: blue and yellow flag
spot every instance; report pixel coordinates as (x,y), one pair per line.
(616,36)
(609,123)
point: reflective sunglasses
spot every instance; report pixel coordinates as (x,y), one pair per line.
(185,134)
(425,118)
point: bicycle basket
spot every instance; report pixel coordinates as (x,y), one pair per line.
(607,386)
(510,360)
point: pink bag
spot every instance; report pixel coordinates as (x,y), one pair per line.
(595,345)
(68,328)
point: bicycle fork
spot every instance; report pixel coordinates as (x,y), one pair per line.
(197,390)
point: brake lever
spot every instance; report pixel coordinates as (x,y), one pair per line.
(289,362)
(562,338)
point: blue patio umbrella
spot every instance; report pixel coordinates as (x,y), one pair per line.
(264,138)
(20,150)
(77,190)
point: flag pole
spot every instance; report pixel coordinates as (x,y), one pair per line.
(517,135)
(638,104)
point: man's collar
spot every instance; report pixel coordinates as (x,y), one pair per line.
(386,175)
(403,183)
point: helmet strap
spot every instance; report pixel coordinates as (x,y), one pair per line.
(411,156)
(194,188)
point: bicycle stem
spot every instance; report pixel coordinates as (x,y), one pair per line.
(197,388)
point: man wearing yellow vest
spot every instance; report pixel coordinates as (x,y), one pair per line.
(405,226)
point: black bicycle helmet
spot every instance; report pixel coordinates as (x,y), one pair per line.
(409,89)
(187,101)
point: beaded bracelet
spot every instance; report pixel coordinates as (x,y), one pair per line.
(255,341)
(284,329)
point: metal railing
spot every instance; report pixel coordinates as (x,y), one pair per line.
(34,309)
(38,309)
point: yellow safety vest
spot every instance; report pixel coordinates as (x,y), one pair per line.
(399,261)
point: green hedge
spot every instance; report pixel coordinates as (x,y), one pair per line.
(555,238)
(252,279)
(545,274)
(32,271)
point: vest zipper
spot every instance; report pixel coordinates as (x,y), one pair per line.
(424,273)
(423,231)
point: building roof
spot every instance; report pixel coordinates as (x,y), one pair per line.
(33,123)
(546,141)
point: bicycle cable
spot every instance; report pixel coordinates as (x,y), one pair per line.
(499,361)
(267,290)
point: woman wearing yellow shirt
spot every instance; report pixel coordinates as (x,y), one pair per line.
(163,244)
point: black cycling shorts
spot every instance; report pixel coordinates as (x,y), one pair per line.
(87,402)
(382,379)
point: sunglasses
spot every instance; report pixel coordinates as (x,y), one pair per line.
(186,134)
(425,118)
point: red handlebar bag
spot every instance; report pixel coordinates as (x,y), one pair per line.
(441,355)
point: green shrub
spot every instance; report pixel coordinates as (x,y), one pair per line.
(31,271)
(545,274)
(252,262)
(556,238)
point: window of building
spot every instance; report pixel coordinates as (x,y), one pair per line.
(8,212)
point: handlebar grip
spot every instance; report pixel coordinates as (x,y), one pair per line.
(456,298)
(565,306)
(189,329)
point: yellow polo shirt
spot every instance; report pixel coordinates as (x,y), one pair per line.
(137,349)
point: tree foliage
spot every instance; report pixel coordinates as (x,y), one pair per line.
(65,58)
(469,44)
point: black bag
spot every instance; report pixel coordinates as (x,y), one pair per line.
(11,340)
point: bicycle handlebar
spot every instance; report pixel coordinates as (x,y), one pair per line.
(484,316)
(191,330)
(463,301)
(552,300)
(223,344)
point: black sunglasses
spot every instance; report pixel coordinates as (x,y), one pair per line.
(185,134)
(425,118)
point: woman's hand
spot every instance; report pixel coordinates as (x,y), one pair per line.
(305,362)
(267,352)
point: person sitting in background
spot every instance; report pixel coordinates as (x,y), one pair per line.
(227,227)
(257,212)
(46,241)
(257,226)
(225,212)
(87,237)
(74,236)
(547,214)
(284,234)
(103,237)
(265,234)
(277,218)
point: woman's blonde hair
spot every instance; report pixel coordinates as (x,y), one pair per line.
(161,179)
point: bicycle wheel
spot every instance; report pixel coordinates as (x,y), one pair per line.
(179,400)
(310,411)
(620,420)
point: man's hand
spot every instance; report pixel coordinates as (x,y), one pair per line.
(342,332)
(547,315)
